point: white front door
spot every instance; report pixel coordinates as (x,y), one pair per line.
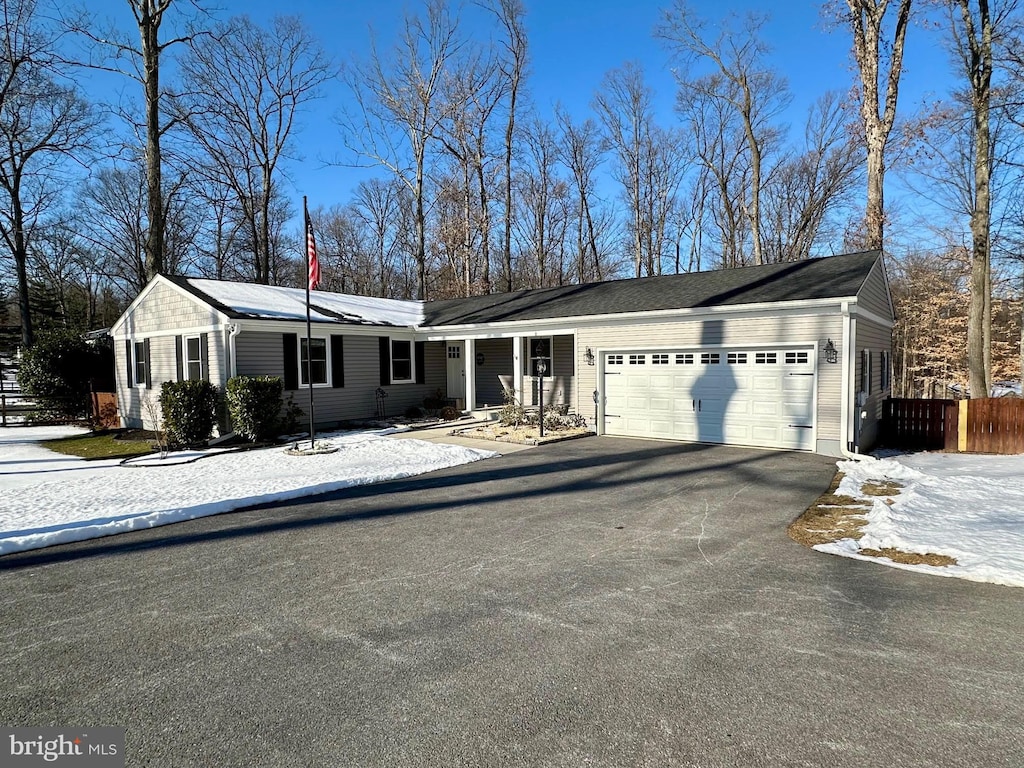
(456,370)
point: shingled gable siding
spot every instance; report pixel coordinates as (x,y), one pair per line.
(262,353)
(164,311)
(873,296)
(782,328)
(875,339)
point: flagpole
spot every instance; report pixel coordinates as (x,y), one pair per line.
(309,332)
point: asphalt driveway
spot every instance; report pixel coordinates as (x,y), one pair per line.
(601,602)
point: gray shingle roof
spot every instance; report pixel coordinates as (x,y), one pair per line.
(831,277)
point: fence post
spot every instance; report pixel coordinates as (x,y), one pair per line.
(962,431)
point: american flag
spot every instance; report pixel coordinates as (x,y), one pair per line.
(312,261)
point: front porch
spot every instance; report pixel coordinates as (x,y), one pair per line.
(479,371)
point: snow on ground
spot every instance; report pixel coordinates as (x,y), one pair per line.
(48,498)
(967,506)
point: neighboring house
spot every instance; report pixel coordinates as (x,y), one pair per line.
(793,356)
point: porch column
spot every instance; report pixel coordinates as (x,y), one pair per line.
(517,367)
(470,367)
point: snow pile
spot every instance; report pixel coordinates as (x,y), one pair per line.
(290,304)
(970,507)
(53,499)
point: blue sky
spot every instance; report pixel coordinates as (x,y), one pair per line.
(573,43)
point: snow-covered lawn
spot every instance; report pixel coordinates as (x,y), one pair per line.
(47,498)
(967,506)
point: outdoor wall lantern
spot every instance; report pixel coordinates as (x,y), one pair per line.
(542,368)
(831,353)
(589,356)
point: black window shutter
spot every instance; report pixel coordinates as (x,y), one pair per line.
(291,360)
(179,342)
(385,359)
(149,371)
(204,355)
(337,361)
(421,369)
(129,362)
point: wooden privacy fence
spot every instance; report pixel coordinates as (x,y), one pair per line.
(985,425)
(17,409)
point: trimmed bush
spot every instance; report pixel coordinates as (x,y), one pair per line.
(56,371)
(254,403)
(189,411)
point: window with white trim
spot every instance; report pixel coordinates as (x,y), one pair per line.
(766,358)
(885,364)
(139,355)
(317,369)
(796,358)
(193,358)
(684,358)
(737,358)
(710,358)
(659,359)
(614,359)
(637,359)
(401,361)
(865,371)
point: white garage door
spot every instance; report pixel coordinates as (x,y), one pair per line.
(752,397)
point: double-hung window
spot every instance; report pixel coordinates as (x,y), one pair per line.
(139,355)
(193,357)
(313,362)
(401,361)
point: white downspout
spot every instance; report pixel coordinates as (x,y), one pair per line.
(232,372)
(849,334)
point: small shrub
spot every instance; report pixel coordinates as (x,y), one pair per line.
(435,401)
(254,403)
(190,410)
(557,417)
(512,413)
(413,412)
(449,413)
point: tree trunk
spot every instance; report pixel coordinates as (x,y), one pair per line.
(20,261)
(150,27)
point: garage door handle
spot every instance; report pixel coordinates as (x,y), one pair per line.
(693,404)
(698,405)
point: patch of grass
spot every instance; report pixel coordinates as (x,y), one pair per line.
(883,488)
(910,558)
(833,517)
(830,518)
(105,445)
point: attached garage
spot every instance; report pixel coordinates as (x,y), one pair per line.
(744,395)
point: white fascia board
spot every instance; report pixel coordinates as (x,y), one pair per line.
(859,311)
(116,329)
(176,331)
(565,324)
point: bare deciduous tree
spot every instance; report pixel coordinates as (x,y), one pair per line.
(739,79)
(246,87)
(399,109)
(42,122)
(511,16)
(877,106)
